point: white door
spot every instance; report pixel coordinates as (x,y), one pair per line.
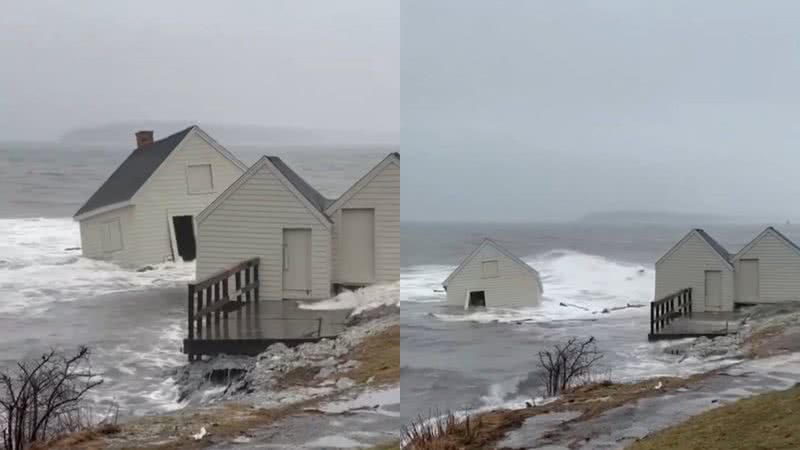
(296,263)
(713,290)
(748,281)
(357,246)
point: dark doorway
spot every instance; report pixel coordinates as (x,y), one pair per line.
(184,237)
(477,298)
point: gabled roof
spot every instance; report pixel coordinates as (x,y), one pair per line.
(138,167)
(768,231)
(501,249)
(313,196)
(715,246)
(333,206)
(133,172)
(291,180)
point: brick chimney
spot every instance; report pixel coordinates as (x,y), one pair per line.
(143,138)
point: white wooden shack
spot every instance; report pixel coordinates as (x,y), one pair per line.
(309,246)
(767,270)
(699,262)
(144,212)
(492,276)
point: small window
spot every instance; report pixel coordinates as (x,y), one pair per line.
(489,269)
(111,235)
(200,178)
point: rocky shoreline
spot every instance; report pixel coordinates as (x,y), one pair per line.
(284,397)
(762,331)
(273,377)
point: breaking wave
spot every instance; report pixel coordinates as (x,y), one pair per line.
(41,263)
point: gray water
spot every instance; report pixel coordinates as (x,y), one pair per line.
(455,360)
(50,296)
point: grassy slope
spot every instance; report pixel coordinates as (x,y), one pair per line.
(767,421)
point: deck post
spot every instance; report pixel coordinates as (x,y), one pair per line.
(209,300)
(257,297)
(690,301)
(225,288)
(247,297)
(652,319)
(190,310)
(199,319)
(238,283)
(217,298)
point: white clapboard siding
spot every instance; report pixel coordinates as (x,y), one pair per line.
(167,192)
(383,195)
(514,285)
(685,266)
(249,223)
(779,269)
(93,231)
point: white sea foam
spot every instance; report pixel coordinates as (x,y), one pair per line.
(40,263)
(360,300)
(576,286)
(423,284)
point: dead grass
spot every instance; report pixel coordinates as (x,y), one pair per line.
(772,340)
(174,431)
(758,342)
(89,439)
(766,421)
(486,429)
(379,356)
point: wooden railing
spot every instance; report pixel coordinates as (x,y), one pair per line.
(211,300)
(665,310)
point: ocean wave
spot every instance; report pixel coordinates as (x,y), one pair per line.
(40,264)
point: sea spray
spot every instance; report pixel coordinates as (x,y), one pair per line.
(360,300)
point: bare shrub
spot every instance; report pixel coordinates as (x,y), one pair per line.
(43,398)
(567,364)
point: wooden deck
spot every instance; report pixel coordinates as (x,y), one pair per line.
(225,315)
(672,318)
(708,324)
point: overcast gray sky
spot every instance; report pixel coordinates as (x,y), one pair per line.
(312,63)
(547,110)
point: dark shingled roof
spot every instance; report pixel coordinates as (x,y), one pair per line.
(316,199)
(714,244)
(133,172)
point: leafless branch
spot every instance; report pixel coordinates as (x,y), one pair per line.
(567,363)
(42,398)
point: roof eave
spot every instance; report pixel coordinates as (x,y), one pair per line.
(103,209)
